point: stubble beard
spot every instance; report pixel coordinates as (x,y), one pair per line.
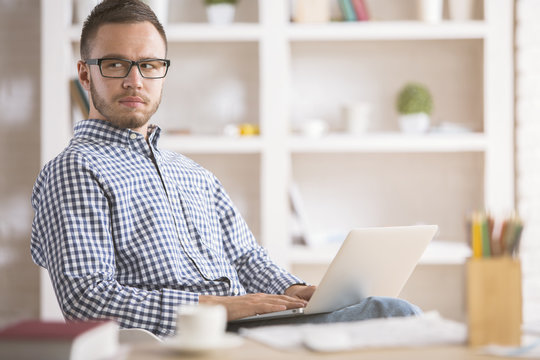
(131,120)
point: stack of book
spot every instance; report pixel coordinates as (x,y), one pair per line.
(354,10)
(45,340)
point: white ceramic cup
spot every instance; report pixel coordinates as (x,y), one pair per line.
(461,10)
(83,9)
(357,117)
(430,10)
(201,326)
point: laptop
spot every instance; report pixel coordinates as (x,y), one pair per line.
(370,262)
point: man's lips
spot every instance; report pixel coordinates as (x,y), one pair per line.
(132,101)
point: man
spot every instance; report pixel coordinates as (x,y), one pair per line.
(129,231)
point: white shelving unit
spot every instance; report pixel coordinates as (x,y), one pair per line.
(267,71)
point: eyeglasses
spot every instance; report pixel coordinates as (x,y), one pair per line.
(120,68)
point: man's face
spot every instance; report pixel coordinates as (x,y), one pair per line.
(127,102)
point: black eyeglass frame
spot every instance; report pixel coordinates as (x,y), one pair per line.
(131,63)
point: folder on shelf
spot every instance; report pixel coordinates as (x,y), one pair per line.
(301,234)
(360,10)
(347,10)
(78,94)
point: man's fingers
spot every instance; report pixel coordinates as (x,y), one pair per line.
(288,301)
(251,304)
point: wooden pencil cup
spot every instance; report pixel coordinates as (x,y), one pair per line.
(494,301)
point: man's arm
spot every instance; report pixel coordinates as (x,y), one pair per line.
(270,287)
(72,238)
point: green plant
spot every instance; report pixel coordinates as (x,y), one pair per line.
(213,2)
(414,98)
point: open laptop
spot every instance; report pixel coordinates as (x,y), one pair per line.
(370,262)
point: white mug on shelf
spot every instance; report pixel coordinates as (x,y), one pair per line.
(461,10)
(430,10)
(161,9)
(357,117)
(83,9)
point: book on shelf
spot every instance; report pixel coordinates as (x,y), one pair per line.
(300,232)
(79,96)
(48,340)
(360,10)
(311,11)
(347,9)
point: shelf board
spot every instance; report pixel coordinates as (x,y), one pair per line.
(203,32)
(437,253)
(211,144)
(387,30)
(334,31)
(389,142)
(199,32)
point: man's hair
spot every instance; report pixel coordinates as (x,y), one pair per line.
(116,12)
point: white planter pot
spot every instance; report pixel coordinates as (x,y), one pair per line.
(161,9)
(461,10)
(430,10)
(220,14)
(414,123)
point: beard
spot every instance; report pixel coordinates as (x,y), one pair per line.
(133,118)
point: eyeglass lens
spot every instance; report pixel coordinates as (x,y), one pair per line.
(120,68)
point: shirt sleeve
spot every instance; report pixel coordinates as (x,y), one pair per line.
(71,237)
(256,271)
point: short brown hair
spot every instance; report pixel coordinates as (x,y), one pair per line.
(117,12)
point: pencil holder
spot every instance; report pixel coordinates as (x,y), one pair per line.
(494,301)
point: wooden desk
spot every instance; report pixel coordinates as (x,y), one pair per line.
(251,350)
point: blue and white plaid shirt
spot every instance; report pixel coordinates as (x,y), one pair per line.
(129,231)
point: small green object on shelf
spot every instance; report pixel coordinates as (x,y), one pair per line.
(414,98)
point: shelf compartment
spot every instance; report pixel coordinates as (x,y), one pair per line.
(341,191)
(389,142)
(387,30)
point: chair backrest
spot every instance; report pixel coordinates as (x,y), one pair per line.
(132,336)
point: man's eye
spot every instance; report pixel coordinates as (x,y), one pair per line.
(147,66)
(115,65)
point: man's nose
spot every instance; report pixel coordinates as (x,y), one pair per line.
(133,78)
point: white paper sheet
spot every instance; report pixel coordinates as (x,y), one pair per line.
(424,330)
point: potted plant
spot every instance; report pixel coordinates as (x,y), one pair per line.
(220,12)
(414,104)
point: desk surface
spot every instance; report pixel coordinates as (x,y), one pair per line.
(251,350)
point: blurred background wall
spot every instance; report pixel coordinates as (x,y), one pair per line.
(19,155)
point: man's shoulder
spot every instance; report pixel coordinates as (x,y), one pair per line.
(72,157)
(188,169)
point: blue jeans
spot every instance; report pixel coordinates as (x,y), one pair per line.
(369,308)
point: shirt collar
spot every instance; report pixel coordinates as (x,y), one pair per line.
(104,131)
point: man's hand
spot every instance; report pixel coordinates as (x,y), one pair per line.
(303,292)
(252,304)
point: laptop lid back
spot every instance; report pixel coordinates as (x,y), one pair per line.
(371,262)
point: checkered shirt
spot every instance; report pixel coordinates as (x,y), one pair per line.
(128,231)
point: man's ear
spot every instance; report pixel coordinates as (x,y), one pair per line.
(84,74)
